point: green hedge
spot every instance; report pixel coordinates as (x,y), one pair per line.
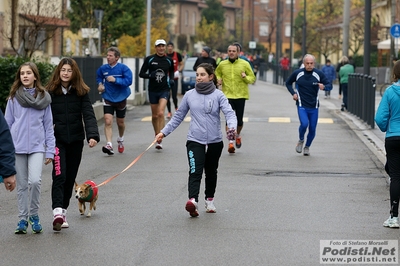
(9,67)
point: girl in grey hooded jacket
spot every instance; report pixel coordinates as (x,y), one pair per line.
(204,139)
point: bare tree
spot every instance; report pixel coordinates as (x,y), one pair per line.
(32,24)
(271,18)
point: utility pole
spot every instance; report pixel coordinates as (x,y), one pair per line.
(392,50)
(278,41)
(291,32)
(242,30)
(304,36)
(346,28)
(367,36)
(148,28)
(98,13)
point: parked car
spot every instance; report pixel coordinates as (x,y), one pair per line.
(188,75)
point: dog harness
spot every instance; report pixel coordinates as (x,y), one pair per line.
(93,189)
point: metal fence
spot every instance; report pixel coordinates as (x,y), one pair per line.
(361,97)
(278,75)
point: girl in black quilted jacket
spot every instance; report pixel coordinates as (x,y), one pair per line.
(74,119)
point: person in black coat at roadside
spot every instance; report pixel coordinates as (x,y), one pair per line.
(205,58)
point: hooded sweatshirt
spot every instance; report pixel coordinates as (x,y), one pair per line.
(387,116)
(205,123)
(31,129)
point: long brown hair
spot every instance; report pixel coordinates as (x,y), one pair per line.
(18,83)
(76,82)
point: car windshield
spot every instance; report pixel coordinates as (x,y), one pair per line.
(189,64)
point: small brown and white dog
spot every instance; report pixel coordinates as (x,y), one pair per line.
(86,192)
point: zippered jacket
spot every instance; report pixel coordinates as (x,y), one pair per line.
(306,86)
(233,85)
(205,122)
(119,90)
(31,129)
(73,117)
(387,116)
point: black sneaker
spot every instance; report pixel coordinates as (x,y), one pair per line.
(108,149)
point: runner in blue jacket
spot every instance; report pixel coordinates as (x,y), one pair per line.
(114,79)
(309,81)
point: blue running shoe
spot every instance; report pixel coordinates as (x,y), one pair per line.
(21,227)
(35,223)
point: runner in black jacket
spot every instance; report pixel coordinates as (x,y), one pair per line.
(159,68)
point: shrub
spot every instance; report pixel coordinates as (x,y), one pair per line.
(9,67)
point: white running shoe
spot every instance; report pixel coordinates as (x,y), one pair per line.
(159,145)
(191,207)
(299,146)
(392,222)
(306,151)
(64,215)
(210,208)
(57,219)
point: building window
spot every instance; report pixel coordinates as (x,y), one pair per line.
(77,48)
(68,45)
(288,4)
(287,30)
(264,2)
(41,40)
(228,22)
(263,29)
(186,18)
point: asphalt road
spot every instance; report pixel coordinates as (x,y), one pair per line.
(273,204)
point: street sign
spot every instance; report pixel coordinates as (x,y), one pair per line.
(395,30)
(252,45)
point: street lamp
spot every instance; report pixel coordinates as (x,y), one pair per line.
(98,13)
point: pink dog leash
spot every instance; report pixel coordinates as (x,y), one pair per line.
(129,166)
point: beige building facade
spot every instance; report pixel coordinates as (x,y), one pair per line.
(32,27)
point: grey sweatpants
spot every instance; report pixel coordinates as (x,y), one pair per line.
(29,179)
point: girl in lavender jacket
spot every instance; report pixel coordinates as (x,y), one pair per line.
(204,139)
(28,115)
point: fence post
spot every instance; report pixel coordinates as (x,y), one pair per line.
(350,86)
(371,102)
(358,105)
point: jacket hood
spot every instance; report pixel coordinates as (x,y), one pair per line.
(396,88)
